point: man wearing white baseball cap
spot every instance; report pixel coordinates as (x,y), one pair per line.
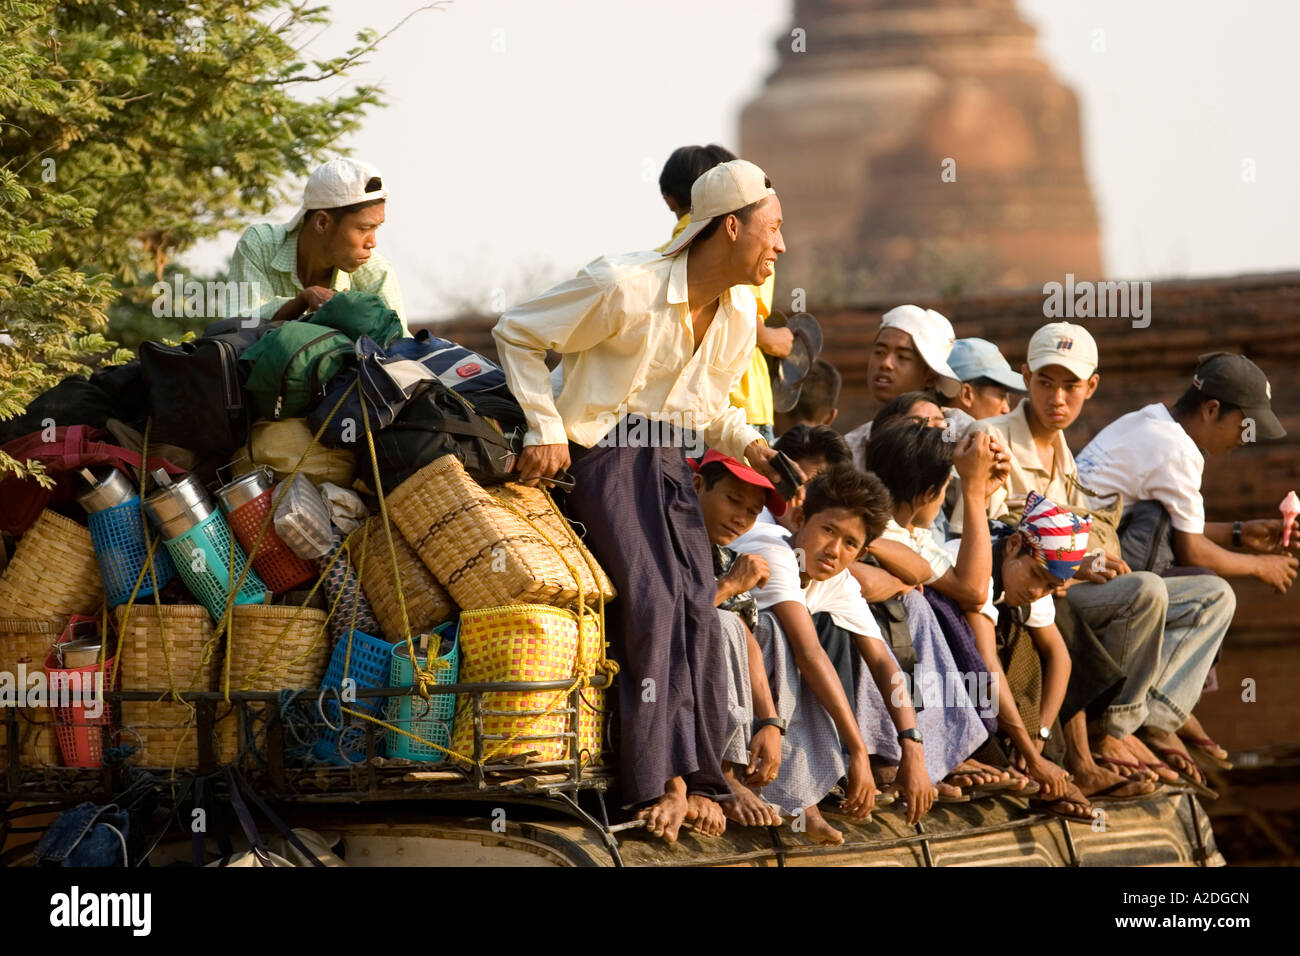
(652,345)
(910,354)
(327,247)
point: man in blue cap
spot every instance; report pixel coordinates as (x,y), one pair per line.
(986,377)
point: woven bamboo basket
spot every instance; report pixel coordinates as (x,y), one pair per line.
(178,653)
(26,642)
(427,602)
(529,642)
(482,551)
(277,647)
(53,572)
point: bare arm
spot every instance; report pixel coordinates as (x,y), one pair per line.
(1202,550)
(876,583)
(901,561)
(967,582)
(818,671)
(1056,670)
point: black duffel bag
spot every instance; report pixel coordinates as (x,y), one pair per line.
(196,399)
(486,435)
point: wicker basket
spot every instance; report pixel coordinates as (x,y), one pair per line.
(53,572)
(528,642)
(179,653)
(26,642)
(427,602)
(277,647)
(482,551)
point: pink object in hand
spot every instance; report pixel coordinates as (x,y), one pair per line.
(1290,508)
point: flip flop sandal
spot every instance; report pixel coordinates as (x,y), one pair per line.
(1107,794)
(1050,806)
(989,789)
(1188,780)
(948,798)
(1199,748)
(1030,788)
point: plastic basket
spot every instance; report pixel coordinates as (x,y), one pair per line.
(278,566)
(202,556)
(410,713)
(118,536)
(368,664)
(80,736)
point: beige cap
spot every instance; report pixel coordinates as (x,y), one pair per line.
(718,191)
(1066,344)
(340,182)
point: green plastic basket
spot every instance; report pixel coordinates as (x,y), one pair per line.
(410,713)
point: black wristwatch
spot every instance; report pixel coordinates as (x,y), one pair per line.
(776,722)
(1236,534)
(911,733)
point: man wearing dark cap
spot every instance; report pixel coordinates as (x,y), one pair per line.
(1157,453)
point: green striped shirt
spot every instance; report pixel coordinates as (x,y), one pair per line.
(268,256)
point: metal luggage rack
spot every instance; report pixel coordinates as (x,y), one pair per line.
(372,778)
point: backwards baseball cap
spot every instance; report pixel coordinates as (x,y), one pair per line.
(933,338)
(340,182)
(718,191)
(1065,344)
(775,503)
(1058,538)
(1235,379)
(979,358)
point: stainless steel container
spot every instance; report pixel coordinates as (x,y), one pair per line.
(108,492)
(243,490)
(79,653)
(177,507)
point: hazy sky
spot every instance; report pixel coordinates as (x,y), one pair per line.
(525,137)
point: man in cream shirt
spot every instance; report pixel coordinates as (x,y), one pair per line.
(652,344)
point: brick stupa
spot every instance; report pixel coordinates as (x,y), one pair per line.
(855,131)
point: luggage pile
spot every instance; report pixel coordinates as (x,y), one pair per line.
(302,509)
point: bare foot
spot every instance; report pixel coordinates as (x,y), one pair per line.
(818,830)
(973,773)
(748,809)
(665,816)
(946,789)
(1140,752)
(1172,751)
(1092,778)
(705,815)
(1193,732)
(1073,805)
(1114,753)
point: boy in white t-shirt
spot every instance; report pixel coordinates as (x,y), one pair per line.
(1157,454)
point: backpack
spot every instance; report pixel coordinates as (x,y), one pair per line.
(1146,536)
(196,399)
(438,421)
(356,314)
(458,367)
(289,367)
(117,391)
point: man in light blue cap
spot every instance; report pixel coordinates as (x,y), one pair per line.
(986,379)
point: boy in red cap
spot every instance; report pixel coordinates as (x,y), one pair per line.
(731,498)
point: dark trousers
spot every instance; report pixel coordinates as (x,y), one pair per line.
(643,523)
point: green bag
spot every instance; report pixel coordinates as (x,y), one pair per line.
(359,313)
(291,366)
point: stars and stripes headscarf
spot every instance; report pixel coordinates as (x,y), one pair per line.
(1058,538)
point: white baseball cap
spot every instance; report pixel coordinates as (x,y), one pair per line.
(718,191)
(933,337)
(340,182)
(1066,344)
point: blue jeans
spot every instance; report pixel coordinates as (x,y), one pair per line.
(1200,611)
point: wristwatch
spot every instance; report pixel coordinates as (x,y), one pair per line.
(1236,534)
(911,733)
(1044,733)
(776,722)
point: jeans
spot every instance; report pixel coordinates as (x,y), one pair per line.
(1200,611)
(769,436)
(1128,615)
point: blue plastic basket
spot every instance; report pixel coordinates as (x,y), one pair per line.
(410,713)
(371,659)
(118,536)
(202,555)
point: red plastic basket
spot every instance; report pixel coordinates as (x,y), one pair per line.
(81,737)
(275,564)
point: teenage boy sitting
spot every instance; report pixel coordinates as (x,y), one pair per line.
(1162,633)
(810,603)
(987,379)
(731,497)
(1158,454)
(818,402)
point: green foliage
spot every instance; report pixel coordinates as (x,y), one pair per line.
(131,129)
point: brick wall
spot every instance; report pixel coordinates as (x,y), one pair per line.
(1258,316)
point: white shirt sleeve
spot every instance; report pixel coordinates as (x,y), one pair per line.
(841,597)
(1042,612)
(1176,483)
(769,543)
